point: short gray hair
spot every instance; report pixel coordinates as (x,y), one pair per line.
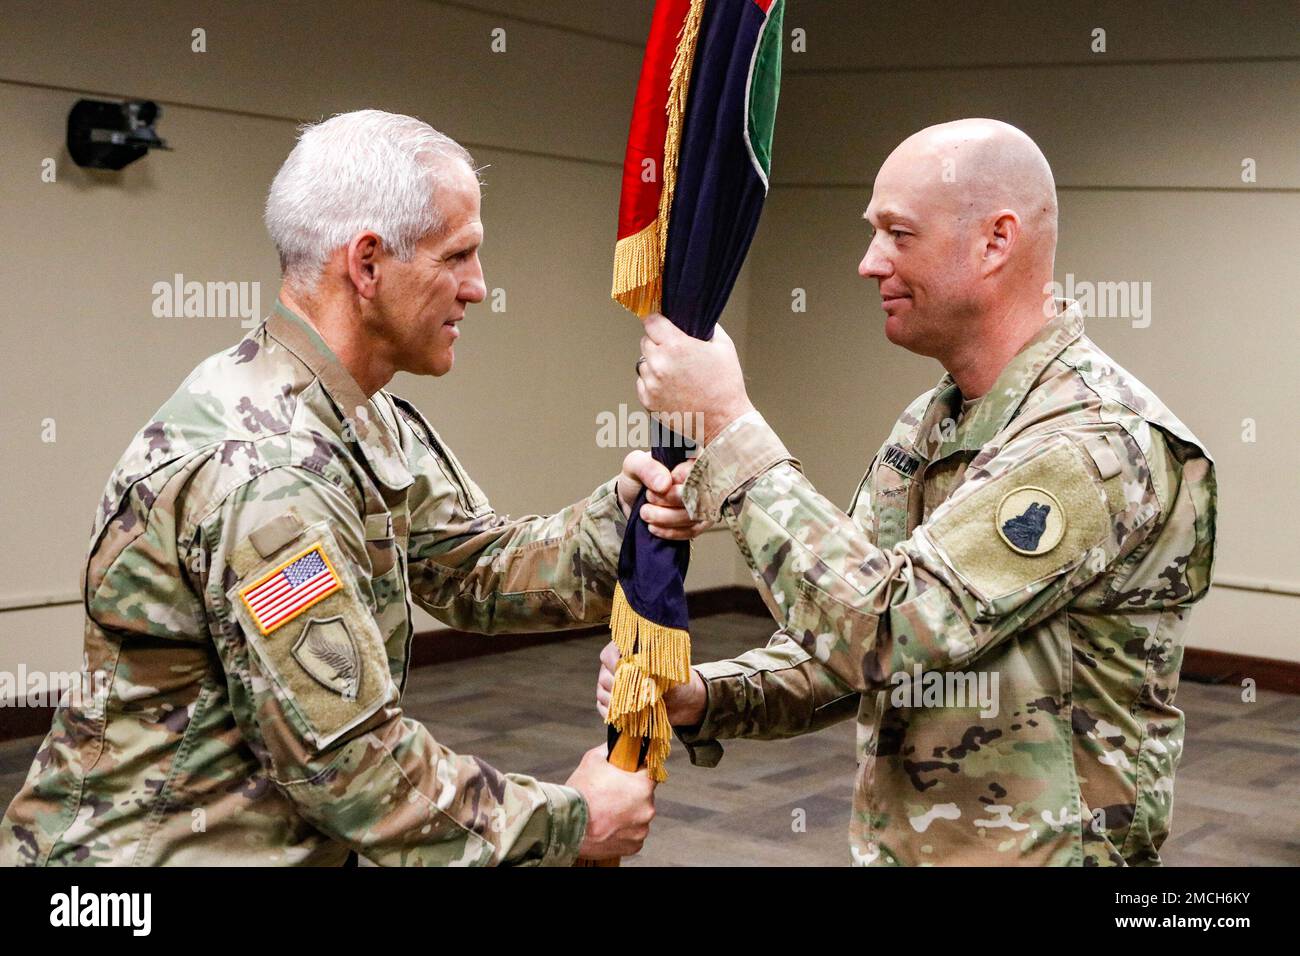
(357,171)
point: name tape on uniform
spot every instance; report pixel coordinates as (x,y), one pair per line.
(897,458)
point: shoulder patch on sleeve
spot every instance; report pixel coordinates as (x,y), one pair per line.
(1030,520)
(288,590)
(328,652)
(315,638)
(1040,517)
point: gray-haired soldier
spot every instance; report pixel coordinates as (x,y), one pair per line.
(252,559)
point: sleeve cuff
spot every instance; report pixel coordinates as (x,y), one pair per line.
(607,523)
(604,502)
(740,453)
(567,824)
(721,710)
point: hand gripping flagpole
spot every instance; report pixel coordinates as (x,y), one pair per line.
(703,120)
(654,657)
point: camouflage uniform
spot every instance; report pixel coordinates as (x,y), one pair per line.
(1055,539)
(235,731)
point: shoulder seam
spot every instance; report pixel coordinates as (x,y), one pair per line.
(221,499)
(1106,420)
(1102,398)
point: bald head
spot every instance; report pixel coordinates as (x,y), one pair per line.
(971,169)
(965,238)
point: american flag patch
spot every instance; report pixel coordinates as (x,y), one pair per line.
(290,589)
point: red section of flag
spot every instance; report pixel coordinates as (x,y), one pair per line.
(639,204)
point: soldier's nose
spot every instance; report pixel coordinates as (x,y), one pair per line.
(874,266)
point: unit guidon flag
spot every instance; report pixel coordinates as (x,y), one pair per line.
(695,175)
(290,589)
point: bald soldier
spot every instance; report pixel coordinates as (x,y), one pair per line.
(1037,523)
(255,552)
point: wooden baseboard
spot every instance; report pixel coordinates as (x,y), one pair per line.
(1220,667)
(726,600)
(442,647)
(18,722)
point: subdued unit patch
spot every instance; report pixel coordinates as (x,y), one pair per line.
(1030,520)
(328,652)
(970,537)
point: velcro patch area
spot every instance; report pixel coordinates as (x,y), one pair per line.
(316,639)
(1040,517)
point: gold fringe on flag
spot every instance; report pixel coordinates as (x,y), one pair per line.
(639,258)
(654,658)
(638,265)
(678,86)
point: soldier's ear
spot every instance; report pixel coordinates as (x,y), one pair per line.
(1000,237)
(363,255)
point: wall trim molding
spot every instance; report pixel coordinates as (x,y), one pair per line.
(444,646)
(17,722)
(299,120)
(1101,62)
(1205,666)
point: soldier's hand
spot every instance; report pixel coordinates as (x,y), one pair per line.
(686,703)
(683,375)
(620,806)
(664,513)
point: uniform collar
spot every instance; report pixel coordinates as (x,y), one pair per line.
(995,409)
(373,438)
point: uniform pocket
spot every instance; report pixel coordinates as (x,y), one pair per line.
(838,636)
(382,553)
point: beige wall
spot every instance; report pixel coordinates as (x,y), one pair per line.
(1176,102)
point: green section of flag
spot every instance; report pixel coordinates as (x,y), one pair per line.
(765,86)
